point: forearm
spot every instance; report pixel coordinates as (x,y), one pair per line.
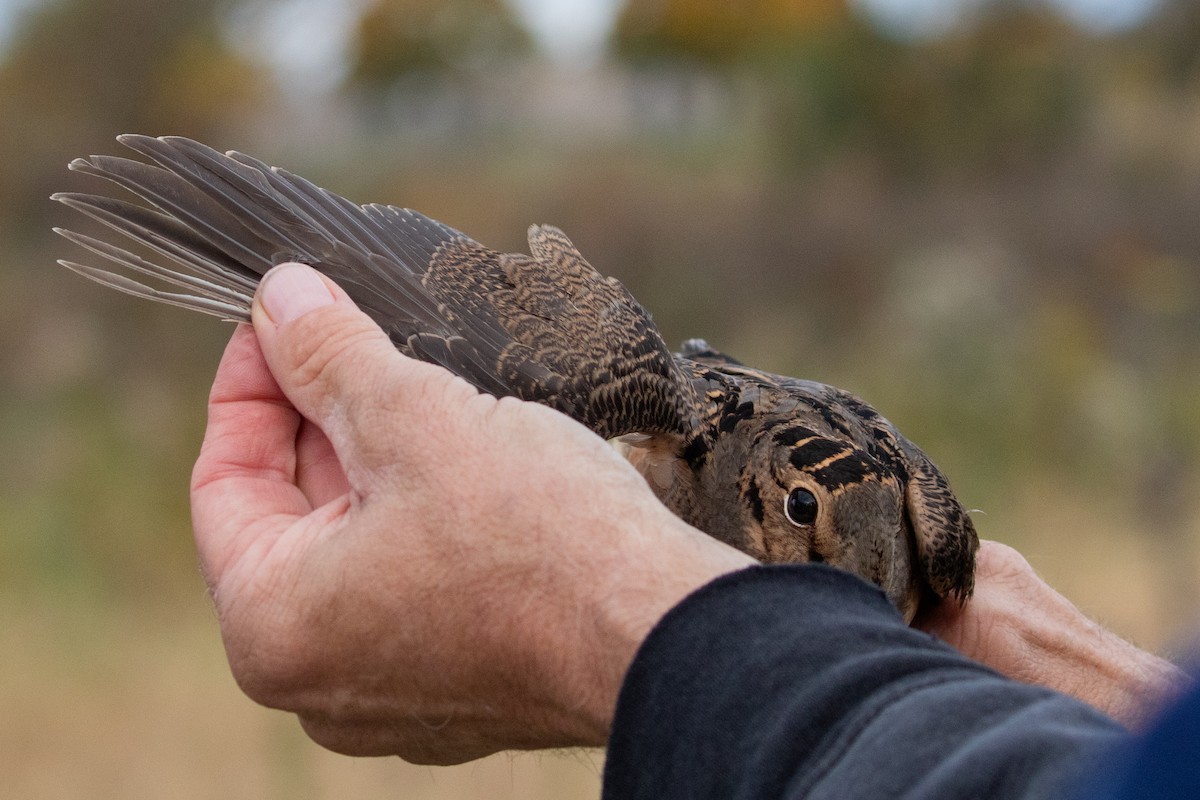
(804,681)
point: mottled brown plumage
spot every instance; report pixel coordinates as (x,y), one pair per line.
(784,469)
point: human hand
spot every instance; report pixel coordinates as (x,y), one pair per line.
(413,567)
(1018,625)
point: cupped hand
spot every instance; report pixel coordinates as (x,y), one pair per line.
(411,566)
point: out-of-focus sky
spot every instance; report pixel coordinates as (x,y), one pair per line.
(929,17)
(9,10)
(307,38)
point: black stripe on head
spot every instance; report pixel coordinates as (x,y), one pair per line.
(767,426)
(814,451)
(860,409)
(754,498)
(854,467)
(796,433)
(885,449)
(832,418)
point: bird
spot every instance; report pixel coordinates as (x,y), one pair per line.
(784,469)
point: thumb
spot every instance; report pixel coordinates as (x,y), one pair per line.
(334,364)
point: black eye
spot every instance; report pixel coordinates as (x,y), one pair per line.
(801,507)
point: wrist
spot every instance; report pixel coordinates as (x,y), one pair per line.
(622,608)
(1126,682)
(1067,651)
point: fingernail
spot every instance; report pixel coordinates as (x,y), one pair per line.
(290,291)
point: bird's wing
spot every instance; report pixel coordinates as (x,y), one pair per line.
(578,341)
(545,327)
(945,536)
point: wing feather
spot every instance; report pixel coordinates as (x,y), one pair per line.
(547,328)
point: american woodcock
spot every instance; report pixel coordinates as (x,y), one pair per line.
(786,470)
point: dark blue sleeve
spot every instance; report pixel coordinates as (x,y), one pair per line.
(803,681)
(1164,763)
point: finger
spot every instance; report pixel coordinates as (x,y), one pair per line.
(243,484)
(338,367)
(416,740)
(319,474)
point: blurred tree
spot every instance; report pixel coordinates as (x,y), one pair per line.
(995,96)
(1172,40)
(719,33)
(81,71)
(398,37)
(77,73)
(829,83)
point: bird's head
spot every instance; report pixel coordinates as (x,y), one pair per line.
(883,512)
(819,498)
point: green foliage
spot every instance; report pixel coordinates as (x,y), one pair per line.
(993,95)
(83,71)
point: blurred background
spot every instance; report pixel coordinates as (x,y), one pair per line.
(983,216)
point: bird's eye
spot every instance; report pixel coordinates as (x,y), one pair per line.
(801,507)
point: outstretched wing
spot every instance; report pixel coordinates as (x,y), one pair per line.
(545,327)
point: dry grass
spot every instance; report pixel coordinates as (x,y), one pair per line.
(138,703)
(1110,563)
